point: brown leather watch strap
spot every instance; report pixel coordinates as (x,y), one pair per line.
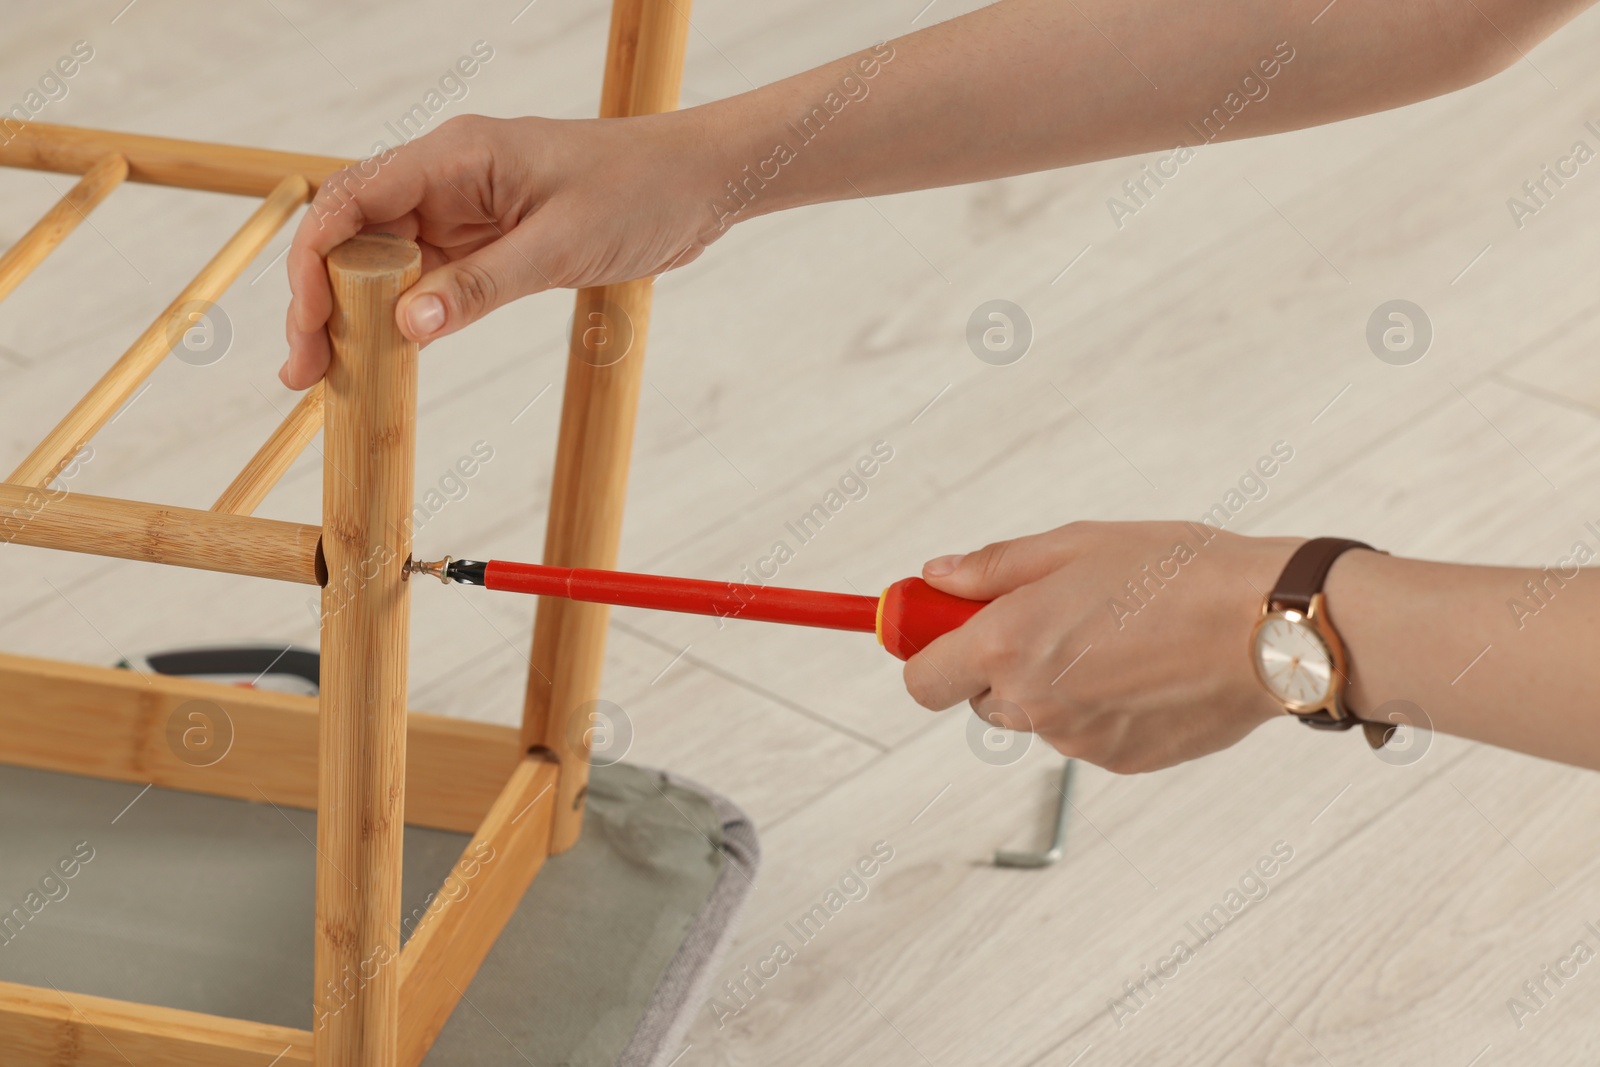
(1307,569)
(1301,580)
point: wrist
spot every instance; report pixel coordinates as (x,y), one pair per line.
(1263,561)
(1348,593)
(1266,559)
(739,170)
(689,164)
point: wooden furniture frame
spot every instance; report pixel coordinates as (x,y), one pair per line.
(354,754)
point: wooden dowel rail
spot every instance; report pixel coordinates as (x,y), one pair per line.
(455,934)
(101,722)
(275,456)
(156,533)
(51,1028)
(118,384)
(218,168)
(97,183)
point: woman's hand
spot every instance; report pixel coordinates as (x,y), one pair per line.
(1124,644)
(503,208)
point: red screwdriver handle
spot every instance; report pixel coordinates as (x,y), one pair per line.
(912,613)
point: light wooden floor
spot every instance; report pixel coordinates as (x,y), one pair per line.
(1226,316)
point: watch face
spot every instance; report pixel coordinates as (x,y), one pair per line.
(1293,661)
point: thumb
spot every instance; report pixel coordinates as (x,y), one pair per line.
(995,569)
(459,293)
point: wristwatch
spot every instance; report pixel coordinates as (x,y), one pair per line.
(1297,653)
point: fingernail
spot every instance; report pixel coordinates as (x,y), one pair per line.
(425,315)
(942,566)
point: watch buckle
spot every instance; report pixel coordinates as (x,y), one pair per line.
(1324,720)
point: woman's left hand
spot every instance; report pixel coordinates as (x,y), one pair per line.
(1123,644)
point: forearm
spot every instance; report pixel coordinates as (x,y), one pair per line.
(1026,85)
(1482,652)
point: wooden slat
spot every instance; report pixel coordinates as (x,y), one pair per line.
(461,925)
(369,457)
(157,533)
(274,457)
(21,258)
(163,160)
(130,727)
(118,384)
(644,66)
(46,1028)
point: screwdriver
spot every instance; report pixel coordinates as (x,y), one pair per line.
(907,617)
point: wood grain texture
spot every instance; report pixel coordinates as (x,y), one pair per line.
(275,456)
(218,168)
(156,533)
(127,373)
(21,258)
(472,907)
(47,1028)
(369,456)
(1189,340)
(155,729)
(644,69)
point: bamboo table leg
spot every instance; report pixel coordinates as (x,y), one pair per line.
(369,449)
(644,67)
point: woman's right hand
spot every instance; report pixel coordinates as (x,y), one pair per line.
(503,208)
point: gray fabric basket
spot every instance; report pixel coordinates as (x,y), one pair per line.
(205,903)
